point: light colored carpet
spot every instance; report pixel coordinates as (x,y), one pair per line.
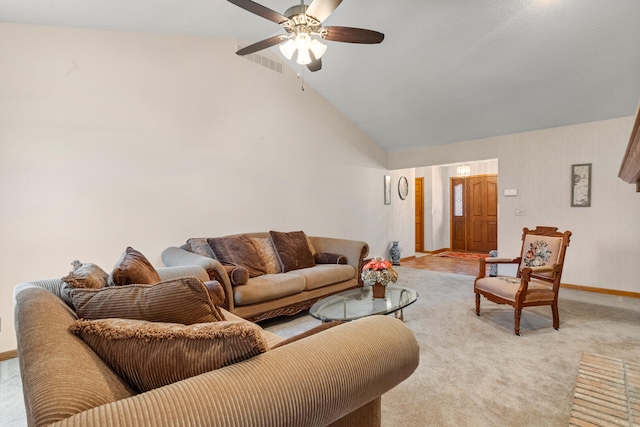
(473,370)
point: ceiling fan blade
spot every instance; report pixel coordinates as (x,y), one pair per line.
(315,64)
(321,9)
(353,35)
(260,10)
(271,41)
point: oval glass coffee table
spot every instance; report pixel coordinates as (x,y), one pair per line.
(356,303)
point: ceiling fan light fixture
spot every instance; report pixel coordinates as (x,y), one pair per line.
(317,48)
(288,48)
(303,41)
(303,57)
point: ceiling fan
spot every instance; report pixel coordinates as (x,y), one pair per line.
(303,25)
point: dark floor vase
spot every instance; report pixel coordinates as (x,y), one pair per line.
(395,254)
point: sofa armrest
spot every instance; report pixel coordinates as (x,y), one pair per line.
(328,376)
(354,250)
(170,273)
(174,257)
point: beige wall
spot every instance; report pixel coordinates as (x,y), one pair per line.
(110,139)
(605,249)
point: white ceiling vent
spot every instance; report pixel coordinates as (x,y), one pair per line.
(265,61)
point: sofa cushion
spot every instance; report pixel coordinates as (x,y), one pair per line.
(326,274)
(133,268)
(507,287)
(268,287)
(200,246)
(151,354)
(186,300)
(238,250)
(293,250)
(264,246)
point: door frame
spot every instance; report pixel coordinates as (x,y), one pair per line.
(419,213)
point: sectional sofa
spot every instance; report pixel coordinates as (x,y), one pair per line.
(333,377)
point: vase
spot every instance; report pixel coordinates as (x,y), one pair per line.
(378,290)
(395,253)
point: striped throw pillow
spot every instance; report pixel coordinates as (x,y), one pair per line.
(185,300)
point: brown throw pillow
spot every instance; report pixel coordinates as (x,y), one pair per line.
(237,275)
(199,245)
(150,355)
(133,268)
(330,258)
(312,331)
(264,246)
(186,300)
(238,251)
(293,250)
(86,276)
(83,276)
(216,292)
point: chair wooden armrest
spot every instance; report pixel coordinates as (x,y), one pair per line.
(484,261)
(502,260)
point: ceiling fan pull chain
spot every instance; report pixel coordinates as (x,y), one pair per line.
(301,77)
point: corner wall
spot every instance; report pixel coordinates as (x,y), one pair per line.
(605,246)
(113,139)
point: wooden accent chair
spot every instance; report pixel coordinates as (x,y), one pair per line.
(538,279)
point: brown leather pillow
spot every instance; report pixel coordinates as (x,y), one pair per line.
(133,268)
(293,250)
(238,251)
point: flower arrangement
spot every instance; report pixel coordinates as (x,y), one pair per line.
(379,270)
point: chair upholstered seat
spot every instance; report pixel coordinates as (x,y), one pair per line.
(506,287)
(537,281)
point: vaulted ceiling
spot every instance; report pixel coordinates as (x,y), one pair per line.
(447,70)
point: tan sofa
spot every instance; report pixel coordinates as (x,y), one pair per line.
(272,295)
(334,377)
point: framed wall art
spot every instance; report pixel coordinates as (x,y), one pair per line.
(581,185)
(387,189)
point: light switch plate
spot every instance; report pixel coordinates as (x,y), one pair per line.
(510,192)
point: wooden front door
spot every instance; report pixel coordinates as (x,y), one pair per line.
(419,215)
(474,213)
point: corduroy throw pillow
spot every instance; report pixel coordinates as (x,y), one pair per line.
(186,300)
(149,355)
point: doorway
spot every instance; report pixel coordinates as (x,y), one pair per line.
(474,213)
